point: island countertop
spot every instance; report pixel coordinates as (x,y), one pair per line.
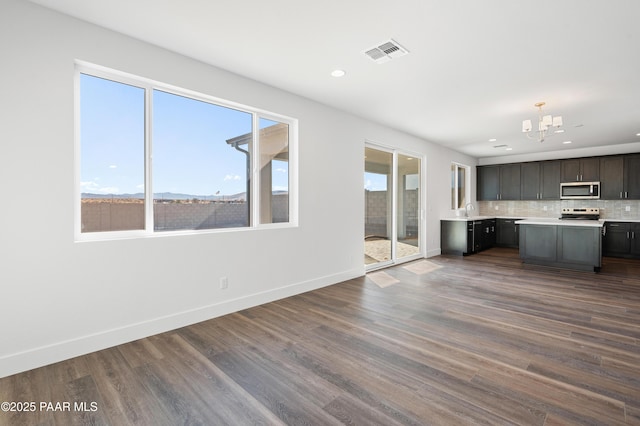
(559,222)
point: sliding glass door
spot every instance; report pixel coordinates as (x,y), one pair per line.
(378,191)
(408,206)
(393,206)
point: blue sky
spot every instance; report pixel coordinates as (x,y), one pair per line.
(190,152)
(375,181)
(378,182)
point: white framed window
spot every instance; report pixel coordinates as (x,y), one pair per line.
(460,178)
(155,159)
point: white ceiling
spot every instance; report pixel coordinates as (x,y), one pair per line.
(474,72)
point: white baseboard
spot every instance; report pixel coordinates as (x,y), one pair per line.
(434,252)
(60,351)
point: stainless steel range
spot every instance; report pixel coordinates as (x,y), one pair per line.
(581,213)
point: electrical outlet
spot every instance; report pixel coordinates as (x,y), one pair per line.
(544,208)
(496,207)
(224,283)
(627,208)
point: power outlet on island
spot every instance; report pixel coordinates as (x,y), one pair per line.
(224,283)
(627,208)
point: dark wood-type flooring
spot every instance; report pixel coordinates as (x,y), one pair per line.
(482,340)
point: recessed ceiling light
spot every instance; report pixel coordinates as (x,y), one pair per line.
(509,149)
(493,140)
(559,131)
(338,73)
(637,134)
(566,142)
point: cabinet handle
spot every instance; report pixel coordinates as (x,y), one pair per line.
(626,194)
(578,178)
(621,194)
(627,235)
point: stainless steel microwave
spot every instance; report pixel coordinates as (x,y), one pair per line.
(580,190)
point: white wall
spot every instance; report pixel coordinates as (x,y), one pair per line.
(60,298)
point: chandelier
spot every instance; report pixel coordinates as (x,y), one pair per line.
(544,122)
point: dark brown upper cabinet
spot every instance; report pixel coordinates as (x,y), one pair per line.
(612,177)
(540,180)
(498,182)
(620,177)
(581,170)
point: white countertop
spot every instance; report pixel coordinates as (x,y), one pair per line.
(541,219)
(471,218)
(468,219)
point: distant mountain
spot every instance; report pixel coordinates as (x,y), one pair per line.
(179,196)
(173,196)
(91,195)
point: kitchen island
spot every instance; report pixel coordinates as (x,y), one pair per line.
(572,244)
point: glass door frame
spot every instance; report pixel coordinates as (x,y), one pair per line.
(393,211)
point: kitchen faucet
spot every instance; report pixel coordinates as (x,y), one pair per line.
(468,207)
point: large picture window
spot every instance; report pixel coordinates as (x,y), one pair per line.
(199,179)
(112,155)
(274,171)
(154,159)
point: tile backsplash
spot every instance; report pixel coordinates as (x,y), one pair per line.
(609,209)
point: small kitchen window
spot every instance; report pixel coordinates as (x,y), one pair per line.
(459,186)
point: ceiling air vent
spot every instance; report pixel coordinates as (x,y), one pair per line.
(386,51)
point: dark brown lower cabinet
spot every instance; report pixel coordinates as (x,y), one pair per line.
(571,247)
(621,239)
(507,233)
